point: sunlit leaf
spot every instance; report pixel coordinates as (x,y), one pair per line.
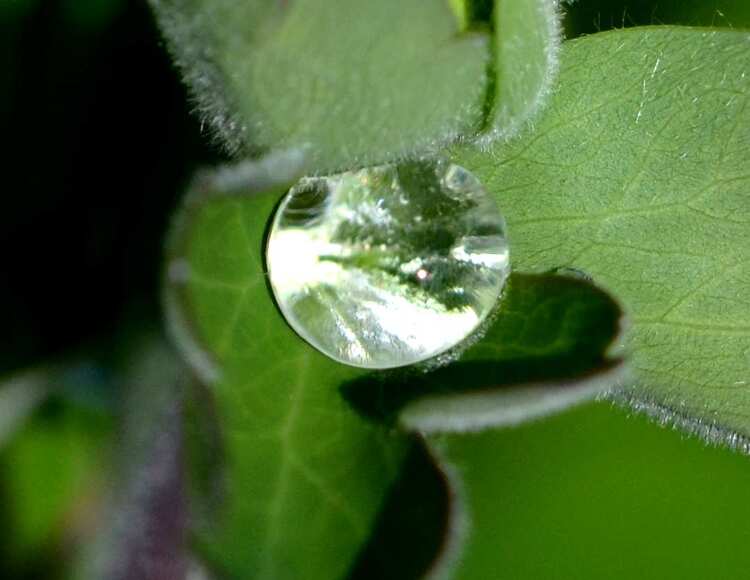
(637,174)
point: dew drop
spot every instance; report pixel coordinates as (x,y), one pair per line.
(390,265)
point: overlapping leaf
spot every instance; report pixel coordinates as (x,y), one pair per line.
(360,82)
(638,174)
(526,45)
(294,448)
(356,81)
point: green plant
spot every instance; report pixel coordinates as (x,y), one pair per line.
(620,162)
(634,173)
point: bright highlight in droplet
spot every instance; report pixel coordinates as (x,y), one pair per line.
(390,265)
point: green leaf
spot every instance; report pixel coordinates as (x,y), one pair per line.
(598,493)
(300,465)
(545,350)
(356,82)
(526,45)
(293,446)
(638,175)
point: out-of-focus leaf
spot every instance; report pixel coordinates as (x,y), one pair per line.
(50,470)
(638,175)
(142,530)
(594,494)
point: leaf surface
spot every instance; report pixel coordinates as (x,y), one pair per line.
(303,476)
(294,449)
(356,82)
(638,175)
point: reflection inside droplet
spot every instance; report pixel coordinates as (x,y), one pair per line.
(389,265)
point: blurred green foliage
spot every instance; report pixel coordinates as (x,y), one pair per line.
(51,482)
(596,493)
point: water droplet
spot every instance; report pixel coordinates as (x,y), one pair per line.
(390,265)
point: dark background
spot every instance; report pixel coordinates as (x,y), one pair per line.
(98,144)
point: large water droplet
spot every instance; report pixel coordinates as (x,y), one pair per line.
(390,265)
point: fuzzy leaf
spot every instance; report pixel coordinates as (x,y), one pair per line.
(359,82)
(526,45)
(356,82)
(638,175)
